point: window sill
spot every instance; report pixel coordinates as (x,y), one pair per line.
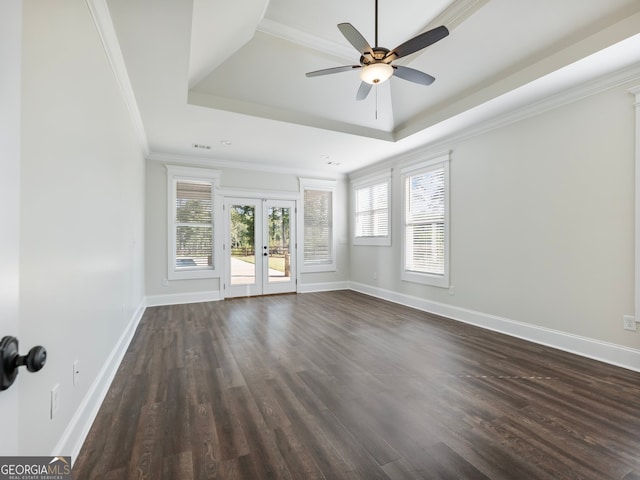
(372,241)
(441,281)
(192,274)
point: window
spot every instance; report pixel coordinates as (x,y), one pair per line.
(318,229)
(371,210)
(426,223)
(191,222)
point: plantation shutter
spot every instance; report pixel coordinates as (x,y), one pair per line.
(425,222)
(372,210)
(318,227)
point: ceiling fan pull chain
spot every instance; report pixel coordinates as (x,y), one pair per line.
(376,87)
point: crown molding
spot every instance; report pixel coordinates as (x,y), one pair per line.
(452,17)
(285,115)
(338,50)
(102,19)
(456,13)
(211,162)
(559,99)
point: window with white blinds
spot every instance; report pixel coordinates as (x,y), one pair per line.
(426,231)
(371,201)
(318,229)
(194,224)
(191,222)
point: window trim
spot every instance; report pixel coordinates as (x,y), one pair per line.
(428,278)
(326,186)
(364,182)
(175,174)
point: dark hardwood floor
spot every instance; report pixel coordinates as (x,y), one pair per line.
(339,385)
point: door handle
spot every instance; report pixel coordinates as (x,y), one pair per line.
(11,360)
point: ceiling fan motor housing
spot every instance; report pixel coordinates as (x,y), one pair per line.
(379,56)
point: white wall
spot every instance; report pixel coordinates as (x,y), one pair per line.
(156,230)
(542,224)
(82,219)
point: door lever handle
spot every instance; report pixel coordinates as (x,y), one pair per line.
(10,360)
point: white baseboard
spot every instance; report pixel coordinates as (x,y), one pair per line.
(613,354)
(180,298)
(78,428)
(322,287)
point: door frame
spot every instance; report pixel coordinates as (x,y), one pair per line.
(223,195)
(10,155)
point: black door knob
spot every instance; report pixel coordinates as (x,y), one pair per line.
(34,360)
(11,360)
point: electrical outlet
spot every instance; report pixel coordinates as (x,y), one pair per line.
(375,275)
(452,290)
(629,323)
(55,400)
(76,373)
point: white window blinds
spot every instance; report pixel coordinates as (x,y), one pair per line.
(425,221)
(372,210)
(193,224)
(318,227)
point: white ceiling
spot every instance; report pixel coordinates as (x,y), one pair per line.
(213,72)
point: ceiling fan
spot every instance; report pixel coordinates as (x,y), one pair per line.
(375,62)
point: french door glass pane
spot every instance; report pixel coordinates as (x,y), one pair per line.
(279,236)
(243,248)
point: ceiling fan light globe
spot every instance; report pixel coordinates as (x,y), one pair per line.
(376,73)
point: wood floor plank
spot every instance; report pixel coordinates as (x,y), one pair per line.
(265,459)
(401,470)
(339,385)
(299,462)
(178,466)
(205,450)
(455,464)
(177,432)
(147,454)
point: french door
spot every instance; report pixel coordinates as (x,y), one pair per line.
(260,257)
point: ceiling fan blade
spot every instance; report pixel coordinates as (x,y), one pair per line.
(413,75)
(329,71)
(418,43)
(363,91)
(355,38)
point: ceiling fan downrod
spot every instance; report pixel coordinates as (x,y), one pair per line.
(376,24)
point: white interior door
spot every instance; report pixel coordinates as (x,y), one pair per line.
(10,59)
(259,247)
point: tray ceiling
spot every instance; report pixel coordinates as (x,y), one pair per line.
(211,71)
